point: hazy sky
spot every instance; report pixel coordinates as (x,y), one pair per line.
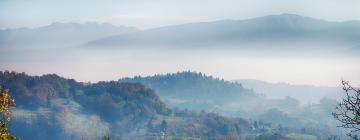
(154,13)
(268,65)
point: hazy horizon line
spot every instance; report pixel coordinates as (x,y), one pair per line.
(166,73)
(175,24)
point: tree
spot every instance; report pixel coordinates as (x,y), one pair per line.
(348,110)
(6,104)
(163,134)
(106,137)
(256,125)
(163,125)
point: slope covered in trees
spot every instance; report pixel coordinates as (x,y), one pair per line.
(52,107)
(196,91)
(191,85)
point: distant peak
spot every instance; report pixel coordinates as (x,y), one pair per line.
(290,15)
(291,19)
(89,24)
(73,23)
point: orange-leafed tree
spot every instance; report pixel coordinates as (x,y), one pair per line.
(6,106)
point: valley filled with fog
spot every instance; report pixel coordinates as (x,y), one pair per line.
(220,79)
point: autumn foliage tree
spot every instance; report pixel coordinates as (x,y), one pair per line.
(348,110)
(6,105)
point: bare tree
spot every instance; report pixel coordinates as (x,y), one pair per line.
(348,110)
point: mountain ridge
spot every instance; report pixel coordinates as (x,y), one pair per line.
(59,35)
(267,28)
(64,24)
(303,93)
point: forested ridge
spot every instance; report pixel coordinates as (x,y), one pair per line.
(191,85)
(48,105)
(53,107)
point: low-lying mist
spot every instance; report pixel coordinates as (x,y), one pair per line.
(291,63)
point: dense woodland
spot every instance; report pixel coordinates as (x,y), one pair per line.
(191,85)
(52,107)
(44,104)
(198,91)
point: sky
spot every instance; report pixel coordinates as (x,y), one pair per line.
(154,13)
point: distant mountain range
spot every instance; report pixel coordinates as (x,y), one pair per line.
(59,35)
(282,28)
(303,93)
(273,28)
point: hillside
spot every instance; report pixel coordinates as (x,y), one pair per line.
(71,104)
(52,107)
(196,91)
(192,85)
